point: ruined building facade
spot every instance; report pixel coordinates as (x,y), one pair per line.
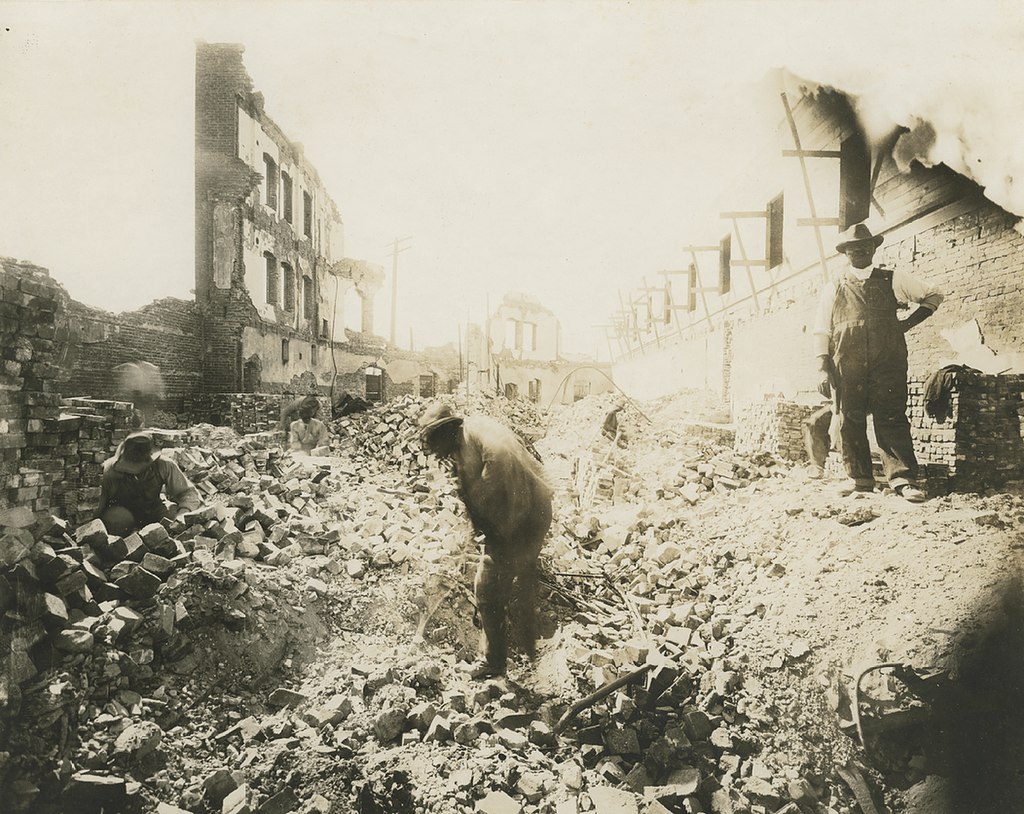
(520,355)
(738,320)
(277,296)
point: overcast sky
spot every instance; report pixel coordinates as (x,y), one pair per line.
(560,149)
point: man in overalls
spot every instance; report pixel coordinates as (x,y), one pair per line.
(862,356)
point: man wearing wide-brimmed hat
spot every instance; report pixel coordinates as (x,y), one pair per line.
(134,480)
(862,356)
(509,502)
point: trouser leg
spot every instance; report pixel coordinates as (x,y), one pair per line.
(816,438)
(853,437)
(524,600)
(492,587)
(892,429)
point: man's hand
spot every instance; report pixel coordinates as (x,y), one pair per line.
(825,381)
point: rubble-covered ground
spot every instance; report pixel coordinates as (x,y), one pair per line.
(299,644)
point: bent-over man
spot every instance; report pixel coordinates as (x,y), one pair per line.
(509,502)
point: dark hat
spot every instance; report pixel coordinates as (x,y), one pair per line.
(135,453)
(858,233)
(437,415)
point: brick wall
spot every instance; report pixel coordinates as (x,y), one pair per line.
(165,332)
(33,336)
(976,259)
(246,412)
(89,431)
(980,444)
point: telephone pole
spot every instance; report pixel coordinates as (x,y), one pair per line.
(396,249)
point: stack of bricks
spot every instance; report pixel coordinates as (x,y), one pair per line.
(773,425)
(247,413)
(987,431)
(89,432)
(934,443)
(32,310)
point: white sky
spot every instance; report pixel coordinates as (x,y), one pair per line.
(562,149)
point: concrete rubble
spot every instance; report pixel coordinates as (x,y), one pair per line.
(298,642)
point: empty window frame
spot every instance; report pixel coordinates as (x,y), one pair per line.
(307,214)
(284,351)
(288,273)
(773,237)
(314,355)
(270,181)
(273,282)
(534,390)
(286,192)
(307,297)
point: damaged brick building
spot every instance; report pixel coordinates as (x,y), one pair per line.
(272,283)
(737,322)
(278,306)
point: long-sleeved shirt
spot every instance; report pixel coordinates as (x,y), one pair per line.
(308,435)
(905,286)
(140,493)
(503,486)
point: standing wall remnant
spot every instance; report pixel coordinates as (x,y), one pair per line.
(33,334)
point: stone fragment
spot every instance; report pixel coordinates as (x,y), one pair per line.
(283,802)
(217,785)
(161,566)
(90,533)
(283,697)
(498,802)
(74,640)
(608,800)
(237,801)
(139,583)
(389,724)
(139,739)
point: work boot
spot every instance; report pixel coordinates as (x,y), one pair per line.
(481,669)
(911,493)
(851,487)
(815,472)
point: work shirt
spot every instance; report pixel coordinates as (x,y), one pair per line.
(308,435)
(502,485)
(905,286)
(140,493)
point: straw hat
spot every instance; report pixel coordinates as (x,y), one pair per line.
(135,453)
(435,417)
(858,233)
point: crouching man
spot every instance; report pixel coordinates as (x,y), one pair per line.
(134,481)
(509,502)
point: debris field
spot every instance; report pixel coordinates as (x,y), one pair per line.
(720,634)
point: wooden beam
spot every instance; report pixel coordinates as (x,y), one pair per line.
(810,153)
(748,263)
(693,249)
(817,221)
(735,215)
(807,183)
